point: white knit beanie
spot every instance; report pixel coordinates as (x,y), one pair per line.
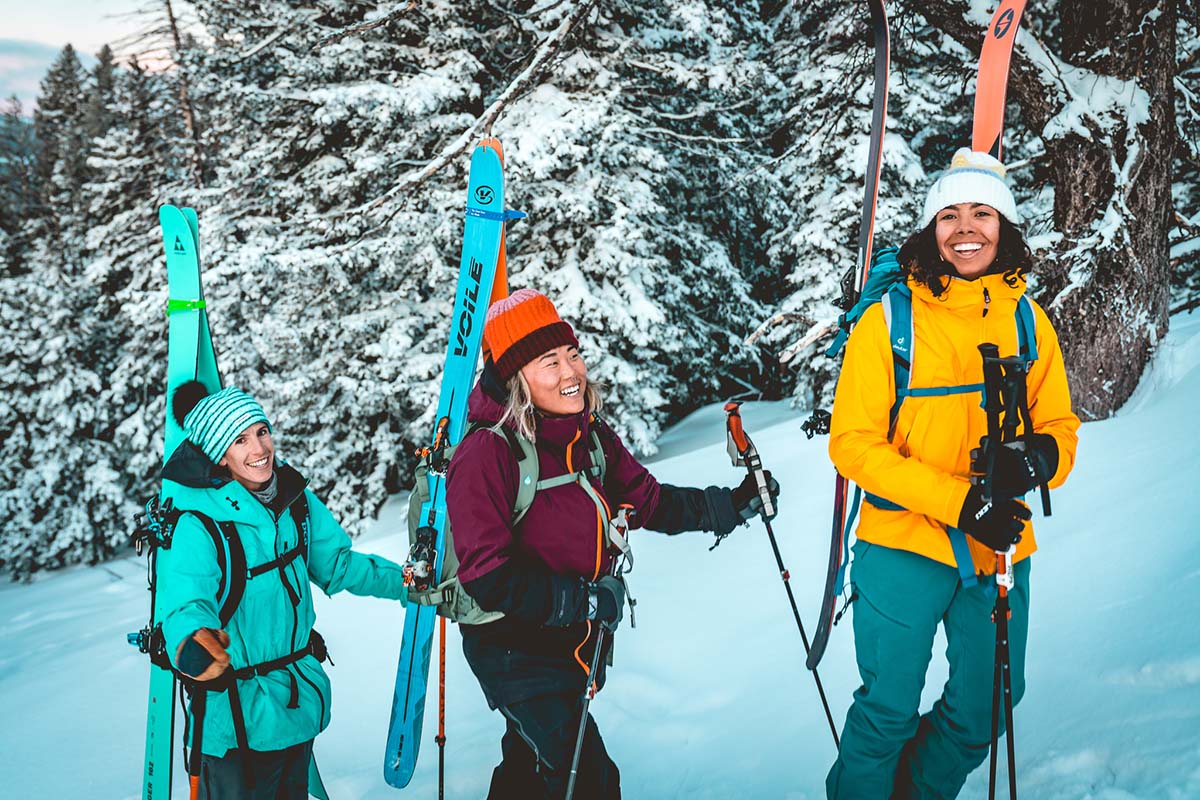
(973,177)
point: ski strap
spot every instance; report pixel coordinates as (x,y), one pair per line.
(495,216)
(174,305)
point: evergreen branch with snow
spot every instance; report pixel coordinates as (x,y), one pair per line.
(483,124)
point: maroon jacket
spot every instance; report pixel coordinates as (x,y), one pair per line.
(538,572)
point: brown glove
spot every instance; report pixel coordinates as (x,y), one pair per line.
(202,655)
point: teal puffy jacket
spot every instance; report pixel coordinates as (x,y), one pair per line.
(275,615)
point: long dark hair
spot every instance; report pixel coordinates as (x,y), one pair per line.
(919,257)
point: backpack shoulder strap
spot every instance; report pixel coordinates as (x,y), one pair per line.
(231,560)
(299,512)
(1026,330)
(525,453)
(599,461)
(897,312)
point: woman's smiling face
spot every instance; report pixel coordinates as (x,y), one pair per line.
(557,380)
(251,457)
(968,237)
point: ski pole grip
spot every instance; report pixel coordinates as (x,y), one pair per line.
(733,424)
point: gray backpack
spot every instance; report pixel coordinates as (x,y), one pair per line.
(452,602)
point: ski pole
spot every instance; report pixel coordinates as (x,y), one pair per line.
(742,451)
(1002,676)
(1001,395)
(621,523)
(441,737)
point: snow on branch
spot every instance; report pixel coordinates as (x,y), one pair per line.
(378,22)
(531,74)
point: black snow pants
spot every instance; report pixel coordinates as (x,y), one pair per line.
(537,749)
(278,774)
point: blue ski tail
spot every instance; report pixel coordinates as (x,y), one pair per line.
(477,271)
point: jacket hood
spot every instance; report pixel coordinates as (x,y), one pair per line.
(188,466)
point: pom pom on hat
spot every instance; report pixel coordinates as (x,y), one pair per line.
(215,420)
(520,328)
(186,396)
(973,177)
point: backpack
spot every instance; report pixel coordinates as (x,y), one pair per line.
(155,530)
(452,602)
(886,284)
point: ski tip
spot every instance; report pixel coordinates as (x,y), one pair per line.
(492,143)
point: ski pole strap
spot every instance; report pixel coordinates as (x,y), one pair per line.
(958,540)
(174,305)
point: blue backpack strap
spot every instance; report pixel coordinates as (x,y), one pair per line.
(1026,331)
(962,557)
(897,312)
(958,542)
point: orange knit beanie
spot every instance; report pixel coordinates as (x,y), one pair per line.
(520,328)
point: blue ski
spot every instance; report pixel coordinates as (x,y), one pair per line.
(190,356)
(476,273)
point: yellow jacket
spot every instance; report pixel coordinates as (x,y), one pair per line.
(925,468)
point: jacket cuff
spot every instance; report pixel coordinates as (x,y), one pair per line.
(721,516)
(568,601)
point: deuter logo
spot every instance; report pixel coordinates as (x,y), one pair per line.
(1003,24)
(466,320)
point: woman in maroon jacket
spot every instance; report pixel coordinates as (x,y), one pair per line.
(548,573)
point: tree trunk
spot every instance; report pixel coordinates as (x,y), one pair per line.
(1106,286)
(185,102)
(1108,290)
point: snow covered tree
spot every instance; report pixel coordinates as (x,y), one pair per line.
(1185,248)
(101,93)
(337,314)
(1099,92)
(18,187)
(1092,151)
(60,125)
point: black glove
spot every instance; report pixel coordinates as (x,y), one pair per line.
(606,602)
(1018,468)
(747,502)
(997,524)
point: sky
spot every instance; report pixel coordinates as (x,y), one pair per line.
(34,32)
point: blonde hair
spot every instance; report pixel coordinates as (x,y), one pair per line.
(523,413)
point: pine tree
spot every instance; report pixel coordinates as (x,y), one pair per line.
(18,187)
(101,95)
(61,171)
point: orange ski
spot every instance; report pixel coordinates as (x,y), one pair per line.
(992,83)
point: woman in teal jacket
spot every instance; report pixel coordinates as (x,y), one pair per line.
(263,654)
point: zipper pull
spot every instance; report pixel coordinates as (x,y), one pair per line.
(987,300)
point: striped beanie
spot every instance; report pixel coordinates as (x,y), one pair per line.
(217,419)
(520,328)
(973,177)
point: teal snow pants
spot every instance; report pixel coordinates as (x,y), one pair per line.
(888,750)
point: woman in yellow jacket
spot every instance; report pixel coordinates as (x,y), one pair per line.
(966,270)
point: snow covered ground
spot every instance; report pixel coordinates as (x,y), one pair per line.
(709,697)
